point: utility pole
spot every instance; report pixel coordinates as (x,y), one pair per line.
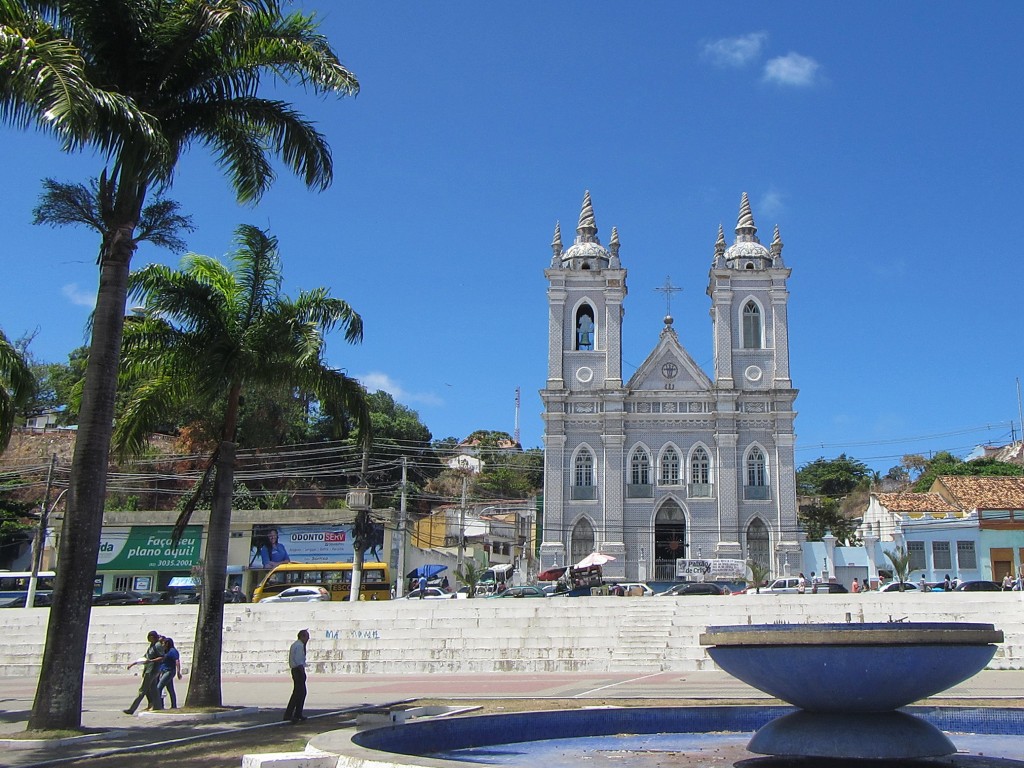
(40,538)
(400,581)
(462,524)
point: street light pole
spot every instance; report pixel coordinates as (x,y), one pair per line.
(39,540)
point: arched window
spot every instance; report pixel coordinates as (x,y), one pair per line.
(751,326)
(583,485)
(640,468)
(755,467)
(700,473)
(670,467)
(585,327)
(700,466)
(757,475)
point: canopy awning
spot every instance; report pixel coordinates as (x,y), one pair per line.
(551,574)
(426,571)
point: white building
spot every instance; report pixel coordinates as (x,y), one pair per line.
(675,462)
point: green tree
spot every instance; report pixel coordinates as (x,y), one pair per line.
(511,475)
(140,81)
(900,560)
(944,463)
(17,385)
(206,334)
(759,574)
(831,477)
(470,574)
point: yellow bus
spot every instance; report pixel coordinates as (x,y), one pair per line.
(336,578)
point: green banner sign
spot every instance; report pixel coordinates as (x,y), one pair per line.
(148,548)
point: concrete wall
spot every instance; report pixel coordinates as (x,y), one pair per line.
(592,634)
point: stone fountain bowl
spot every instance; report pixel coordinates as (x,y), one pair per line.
(852,667)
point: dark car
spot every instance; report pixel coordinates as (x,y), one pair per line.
(526,590)
(695,588)
(41,601)
(121,598)
(978,586)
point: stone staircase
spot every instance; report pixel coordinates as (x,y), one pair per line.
(645,635)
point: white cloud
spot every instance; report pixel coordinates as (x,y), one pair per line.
(77,296)
(376,380)
(792,69)
(770,205)
(735,51)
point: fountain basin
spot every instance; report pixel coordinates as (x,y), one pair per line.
(848,681)
(852,668)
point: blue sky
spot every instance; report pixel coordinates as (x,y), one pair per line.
(883,138)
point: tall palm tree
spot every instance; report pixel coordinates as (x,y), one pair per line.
(140,81)
(208,333)
(16,387)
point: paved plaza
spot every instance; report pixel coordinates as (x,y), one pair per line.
(263,698)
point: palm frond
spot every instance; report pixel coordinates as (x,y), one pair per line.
(17,384)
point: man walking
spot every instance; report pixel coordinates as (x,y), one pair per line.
(147,689)
(297,663)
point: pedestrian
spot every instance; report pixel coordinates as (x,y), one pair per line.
(815,581)
(297,664)
(801,584)
(947,584)
(1007,582)
(147,689)
(169,666)
(444,584)
(423,586)
(856,586)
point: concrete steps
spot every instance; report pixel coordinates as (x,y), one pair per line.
(588,634)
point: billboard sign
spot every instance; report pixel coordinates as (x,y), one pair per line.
(272,545)
(711,570)
(148,548)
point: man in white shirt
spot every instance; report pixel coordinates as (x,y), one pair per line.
(297,664)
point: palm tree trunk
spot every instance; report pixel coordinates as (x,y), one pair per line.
(58,700)
(204,687)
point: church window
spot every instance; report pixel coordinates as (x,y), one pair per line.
(756,475)
(583,485)
(640,468)
(700,467)
(670,467)
(751,326)
(585,328)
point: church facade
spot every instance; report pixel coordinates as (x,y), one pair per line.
(675,462)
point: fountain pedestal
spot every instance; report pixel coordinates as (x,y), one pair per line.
(848,681)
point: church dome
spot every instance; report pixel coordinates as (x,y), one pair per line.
(746,252)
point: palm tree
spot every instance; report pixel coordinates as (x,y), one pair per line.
(16,387)
(470,574)
(206,334)
(759,574)
(140,81)
(900,560)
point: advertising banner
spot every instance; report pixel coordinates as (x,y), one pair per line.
(148,548)
(711,570)
(275,544)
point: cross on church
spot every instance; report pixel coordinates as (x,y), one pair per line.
(668,289)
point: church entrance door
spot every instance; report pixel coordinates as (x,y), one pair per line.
(669,540)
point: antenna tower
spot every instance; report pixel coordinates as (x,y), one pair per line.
(515,434)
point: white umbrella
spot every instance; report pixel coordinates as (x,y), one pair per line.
(594,558)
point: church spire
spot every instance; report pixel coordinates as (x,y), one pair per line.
(776,247)
(613,247)
(746,230)
(556,244)
(586,230)
(720,242)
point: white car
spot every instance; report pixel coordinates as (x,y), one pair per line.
(299,595)
(432,593)
(894,586)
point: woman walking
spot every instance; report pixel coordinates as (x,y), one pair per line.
(170,665)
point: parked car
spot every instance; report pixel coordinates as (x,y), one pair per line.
(694,588)
(894,586)
(784,586)
(832,588)
(41,601)
(788,586)
(526,590)
(432,593)
(978,586)
(733,587)
(299,595)
(124,598)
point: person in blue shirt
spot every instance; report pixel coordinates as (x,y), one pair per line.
(170,666)
(273,552)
